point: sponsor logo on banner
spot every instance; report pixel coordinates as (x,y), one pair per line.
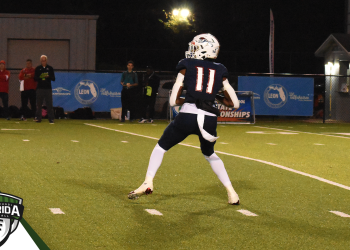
(86,92)
(300,98)
(60,91)
(11,211)
(275,96)
(105,92)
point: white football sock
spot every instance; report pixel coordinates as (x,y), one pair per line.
(219,169)
(154,162)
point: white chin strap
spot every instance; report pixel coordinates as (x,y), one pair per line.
(200,121)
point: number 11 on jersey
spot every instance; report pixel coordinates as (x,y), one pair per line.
(200,78)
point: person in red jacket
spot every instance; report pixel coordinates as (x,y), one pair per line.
(28,89)
(4,88)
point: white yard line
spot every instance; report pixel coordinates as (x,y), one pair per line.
(238,156)
(17,129)
(310,133)
(246,212)
(56,211)
(153,212)
(287,133)
(256,132)
(341,214)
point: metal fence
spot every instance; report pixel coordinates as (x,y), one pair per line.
(331,95)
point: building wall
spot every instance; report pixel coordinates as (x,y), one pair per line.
(19,50)
(79,31)
(337,103)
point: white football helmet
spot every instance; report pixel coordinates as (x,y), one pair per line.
(203,46)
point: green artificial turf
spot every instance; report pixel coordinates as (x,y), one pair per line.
(89,181)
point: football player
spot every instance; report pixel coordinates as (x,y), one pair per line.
(203,79)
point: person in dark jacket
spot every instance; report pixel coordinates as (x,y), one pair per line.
(44,74)
(151,85)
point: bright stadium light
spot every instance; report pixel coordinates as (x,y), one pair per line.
(185,13)
(175,12)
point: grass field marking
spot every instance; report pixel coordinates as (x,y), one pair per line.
(310,133)
(242,157)
(56,211)
(18,129)
(318,144)
(126,132)
(74,141)
(289,169)
(257,132)
(273,144)
(343,133)
(124,141)
(246,212)
(153,212)
(25,140)
(341,214)
(287,133)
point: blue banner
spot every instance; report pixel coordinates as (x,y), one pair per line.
(288,96)
(99,91)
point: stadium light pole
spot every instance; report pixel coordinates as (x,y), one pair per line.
(185,13)
(181,13)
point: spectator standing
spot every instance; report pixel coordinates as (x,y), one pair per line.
(151,85)
(44,74)
(129,82)
(4,88)
(28,90)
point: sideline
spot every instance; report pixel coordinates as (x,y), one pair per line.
(238,156)
(310,133)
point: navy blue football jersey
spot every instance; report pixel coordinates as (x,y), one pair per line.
(203,78)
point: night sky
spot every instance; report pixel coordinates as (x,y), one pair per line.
(241,26)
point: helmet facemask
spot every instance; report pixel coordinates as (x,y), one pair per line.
(203,46)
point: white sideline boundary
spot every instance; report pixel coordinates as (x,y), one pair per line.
(310,133)
(238,156)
